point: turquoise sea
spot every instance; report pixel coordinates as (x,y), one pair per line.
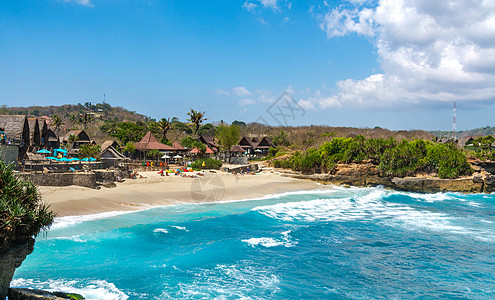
(332,243)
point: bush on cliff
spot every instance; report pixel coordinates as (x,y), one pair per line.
(393,158)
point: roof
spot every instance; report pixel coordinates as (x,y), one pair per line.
(246,142)
(111,153)
(149,142)
(236,148)
(194,150)
(208,150)
(265,143)
(81,134)
(14,125)
(109,143)
(208,140)
(177,146)
(33,123)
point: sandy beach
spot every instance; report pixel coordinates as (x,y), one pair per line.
(156,190)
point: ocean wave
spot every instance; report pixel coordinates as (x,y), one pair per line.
(94,289)
(240,280)
(272,242)
(372,206)
(162,230)
(63,222)
(180,228)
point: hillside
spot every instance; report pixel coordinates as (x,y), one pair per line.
(487,130)
(104,118)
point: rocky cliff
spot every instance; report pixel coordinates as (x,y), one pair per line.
(366,174)
(11,257)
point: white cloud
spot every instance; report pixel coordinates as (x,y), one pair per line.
(81,2)
(241,91)
(269,3)
(246,101)
(220,92)
(249,6)
(430,52)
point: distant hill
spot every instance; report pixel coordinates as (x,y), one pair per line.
(98,110)
(473,132)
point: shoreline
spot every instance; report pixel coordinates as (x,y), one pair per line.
(154,190)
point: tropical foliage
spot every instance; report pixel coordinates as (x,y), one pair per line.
(89,151)
(22,214)
(391,157)
(197,118)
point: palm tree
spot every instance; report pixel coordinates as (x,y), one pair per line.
(196,117)
(85,119)
(57,122)
(164,125)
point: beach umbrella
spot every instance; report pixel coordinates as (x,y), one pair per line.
(52,158)
(177,156)
(85,159)
(43,151)
(64,159)
(91,159)
(165,156)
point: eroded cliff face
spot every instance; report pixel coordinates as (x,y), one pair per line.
(366,174)
(11,257)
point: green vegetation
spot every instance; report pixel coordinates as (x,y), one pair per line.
(89,151)
(228,136)
(197,118)
(393,158)
(484,147)
(209,163)
(22,214)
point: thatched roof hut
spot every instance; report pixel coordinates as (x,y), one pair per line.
(34,132)
(150,142)
(110,143)
(16,127)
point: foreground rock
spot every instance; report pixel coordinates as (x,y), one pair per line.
(28,294)
(11,257)
(366,174)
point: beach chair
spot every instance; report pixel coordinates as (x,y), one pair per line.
(72,169)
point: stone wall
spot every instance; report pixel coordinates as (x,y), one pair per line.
(9,154)
(61,179)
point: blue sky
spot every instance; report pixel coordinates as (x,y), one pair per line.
(395,64)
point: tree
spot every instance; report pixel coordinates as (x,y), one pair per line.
(22,216)
(164,126)
(228,136)
(57,122)
(73,119)
(129,132)
(239,123)
(196,117)
(181,127)
(207,130)
(89,151)
(85,118)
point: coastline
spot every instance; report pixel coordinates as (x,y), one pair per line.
(155,190)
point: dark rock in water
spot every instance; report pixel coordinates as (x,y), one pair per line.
(28,294)
(11,257)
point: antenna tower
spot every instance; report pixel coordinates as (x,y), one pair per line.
(454,123)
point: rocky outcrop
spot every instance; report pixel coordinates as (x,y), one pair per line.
(28,294)
(11,257)
(366,174)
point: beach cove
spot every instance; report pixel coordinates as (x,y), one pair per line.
(154,190)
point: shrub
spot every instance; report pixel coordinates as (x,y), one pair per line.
(22,214)
(210,163)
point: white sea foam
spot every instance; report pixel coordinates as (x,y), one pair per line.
(62,222)
(94,289)
(230,282)
(162,230)
(371,206)
(272,242)
(180,228)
